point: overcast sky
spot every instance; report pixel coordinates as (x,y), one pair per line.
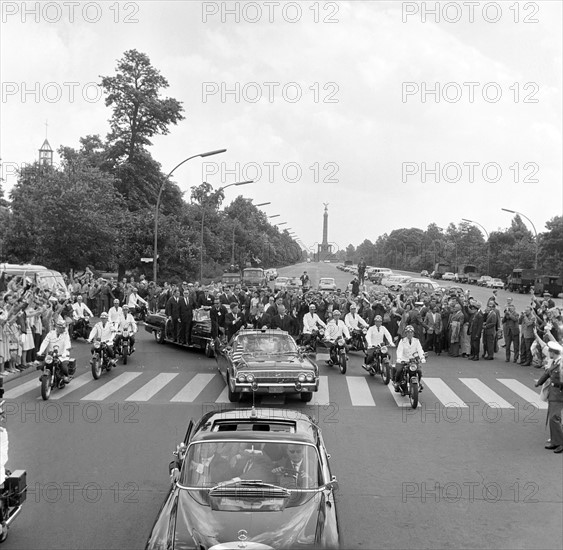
(363,127)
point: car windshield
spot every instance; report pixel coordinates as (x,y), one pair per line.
(265,344)
(327,281)
(251,463)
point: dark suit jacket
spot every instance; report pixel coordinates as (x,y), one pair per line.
(287,323)
(476,325)
(233,324)
(186,310)
(217,319)
(173,308)
(261,468)
(490,324)
(261,320)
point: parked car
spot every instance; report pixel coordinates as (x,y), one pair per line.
(266,361)
(448,276)
(424,273)
(159,325)
(482,281)
(281,283)
(420,284)
(293,282)
(327,283)
(249,495)
(271,274)
(395,282)
(495,283)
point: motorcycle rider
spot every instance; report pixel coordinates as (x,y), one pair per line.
(335,329)
(377,335)
(408,346)
(115,313)
(126,321)
(104,332)
(57,338)
(135,302)
(79,311)
(311,322)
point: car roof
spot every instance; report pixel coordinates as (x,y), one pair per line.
(292,425)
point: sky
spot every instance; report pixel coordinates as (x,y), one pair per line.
(393,118)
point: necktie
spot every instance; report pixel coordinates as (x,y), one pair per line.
(295,466)
(247,466)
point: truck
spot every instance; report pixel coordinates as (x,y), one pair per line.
(522,280)
(465,270)
(253,276)
(440,269)
(549,283)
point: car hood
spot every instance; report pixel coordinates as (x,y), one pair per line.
(280,529)
(278,362)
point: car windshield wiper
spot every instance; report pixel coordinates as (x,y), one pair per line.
(251,483)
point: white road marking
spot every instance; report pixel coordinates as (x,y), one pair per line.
(153,387)
(193,388)
(24,388)
(491,398)
(524,391)
(113,385)
(75,383)
(360,393)
(399,399)
(321,396)
(443,392)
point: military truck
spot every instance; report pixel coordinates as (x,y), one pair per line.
(465,270)
(440,269)
(551,283)
(522,280)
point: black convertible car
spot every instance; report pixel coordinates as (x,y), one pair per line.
(158,324)
(257,479)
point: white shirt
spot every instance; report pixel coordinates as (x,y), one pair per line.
(115,314)
(352,321)
(79,309)
(334,330)
(376,337)
(406,350)
(105,334)
(53,340)
(311,322)
(133,299)
(127,322)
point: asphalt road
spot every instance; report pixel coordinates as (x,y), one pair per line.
(467,469)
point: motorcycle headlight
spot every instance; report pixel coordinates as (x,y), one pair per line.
(49,359)
(310,377)
(412,366)
(241,377)
(383,349)
(301,378)
(125,333)
(97,345)
(250,378)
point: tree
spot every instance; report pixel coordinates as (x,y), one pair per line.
(552,246)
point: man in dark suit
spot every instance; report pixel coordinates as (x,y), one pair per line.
(211,468)
(261,318)
(233,321)
(475,330)
(283,321)
(490,325)
(172,311)
(217,314)
(296,468)
(186,318)
(252,463)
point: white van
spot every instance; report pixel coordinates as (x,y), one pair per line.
(41,276)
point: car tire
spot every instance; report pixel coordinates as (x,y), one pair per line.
(306,396)
(159,336)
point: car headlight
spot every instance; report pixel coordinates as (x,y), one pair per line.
(383,349)
(49,359)
(310,377)
(241,377)
(250,378)
(301,377)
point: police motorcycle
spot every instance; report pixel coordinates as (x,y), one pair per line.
(310,342)
(358,339)
(337,354)
(13,485)
(100,359)
(409,383)
(140,312)
(81,328)
(53,376)
(122,344)
(381,364)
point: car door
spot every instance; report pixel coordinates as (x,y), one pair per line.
(224,357)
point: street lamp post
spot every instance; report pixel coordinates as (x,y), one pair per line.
(488,243)
(535,232)
(156,210)
(262,204)
(274,216)
(202,219)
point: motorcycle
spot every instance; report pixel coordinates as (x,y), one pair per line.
(100,359)
(123,346)
(316,337)
(410,379)
(358,342)
(380,364)
(52,376)
(81,328)
(140,313)
(338,355)
(13,491)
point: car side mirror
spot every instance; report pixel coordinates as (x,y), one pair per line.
(333,484)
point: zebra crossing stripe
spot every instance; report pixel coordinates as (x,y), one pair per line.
(523,391)
(111,387)
(442,391)
(321,396)
(75,383)
(153,387)
(193,388)
(491,398)
(24,388)
(399,399)
(360,393)
(223,396)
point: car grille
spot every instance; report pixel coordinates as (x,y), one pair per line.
(270,377)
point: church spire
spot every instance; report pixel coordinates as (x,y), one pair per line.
(46,152)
